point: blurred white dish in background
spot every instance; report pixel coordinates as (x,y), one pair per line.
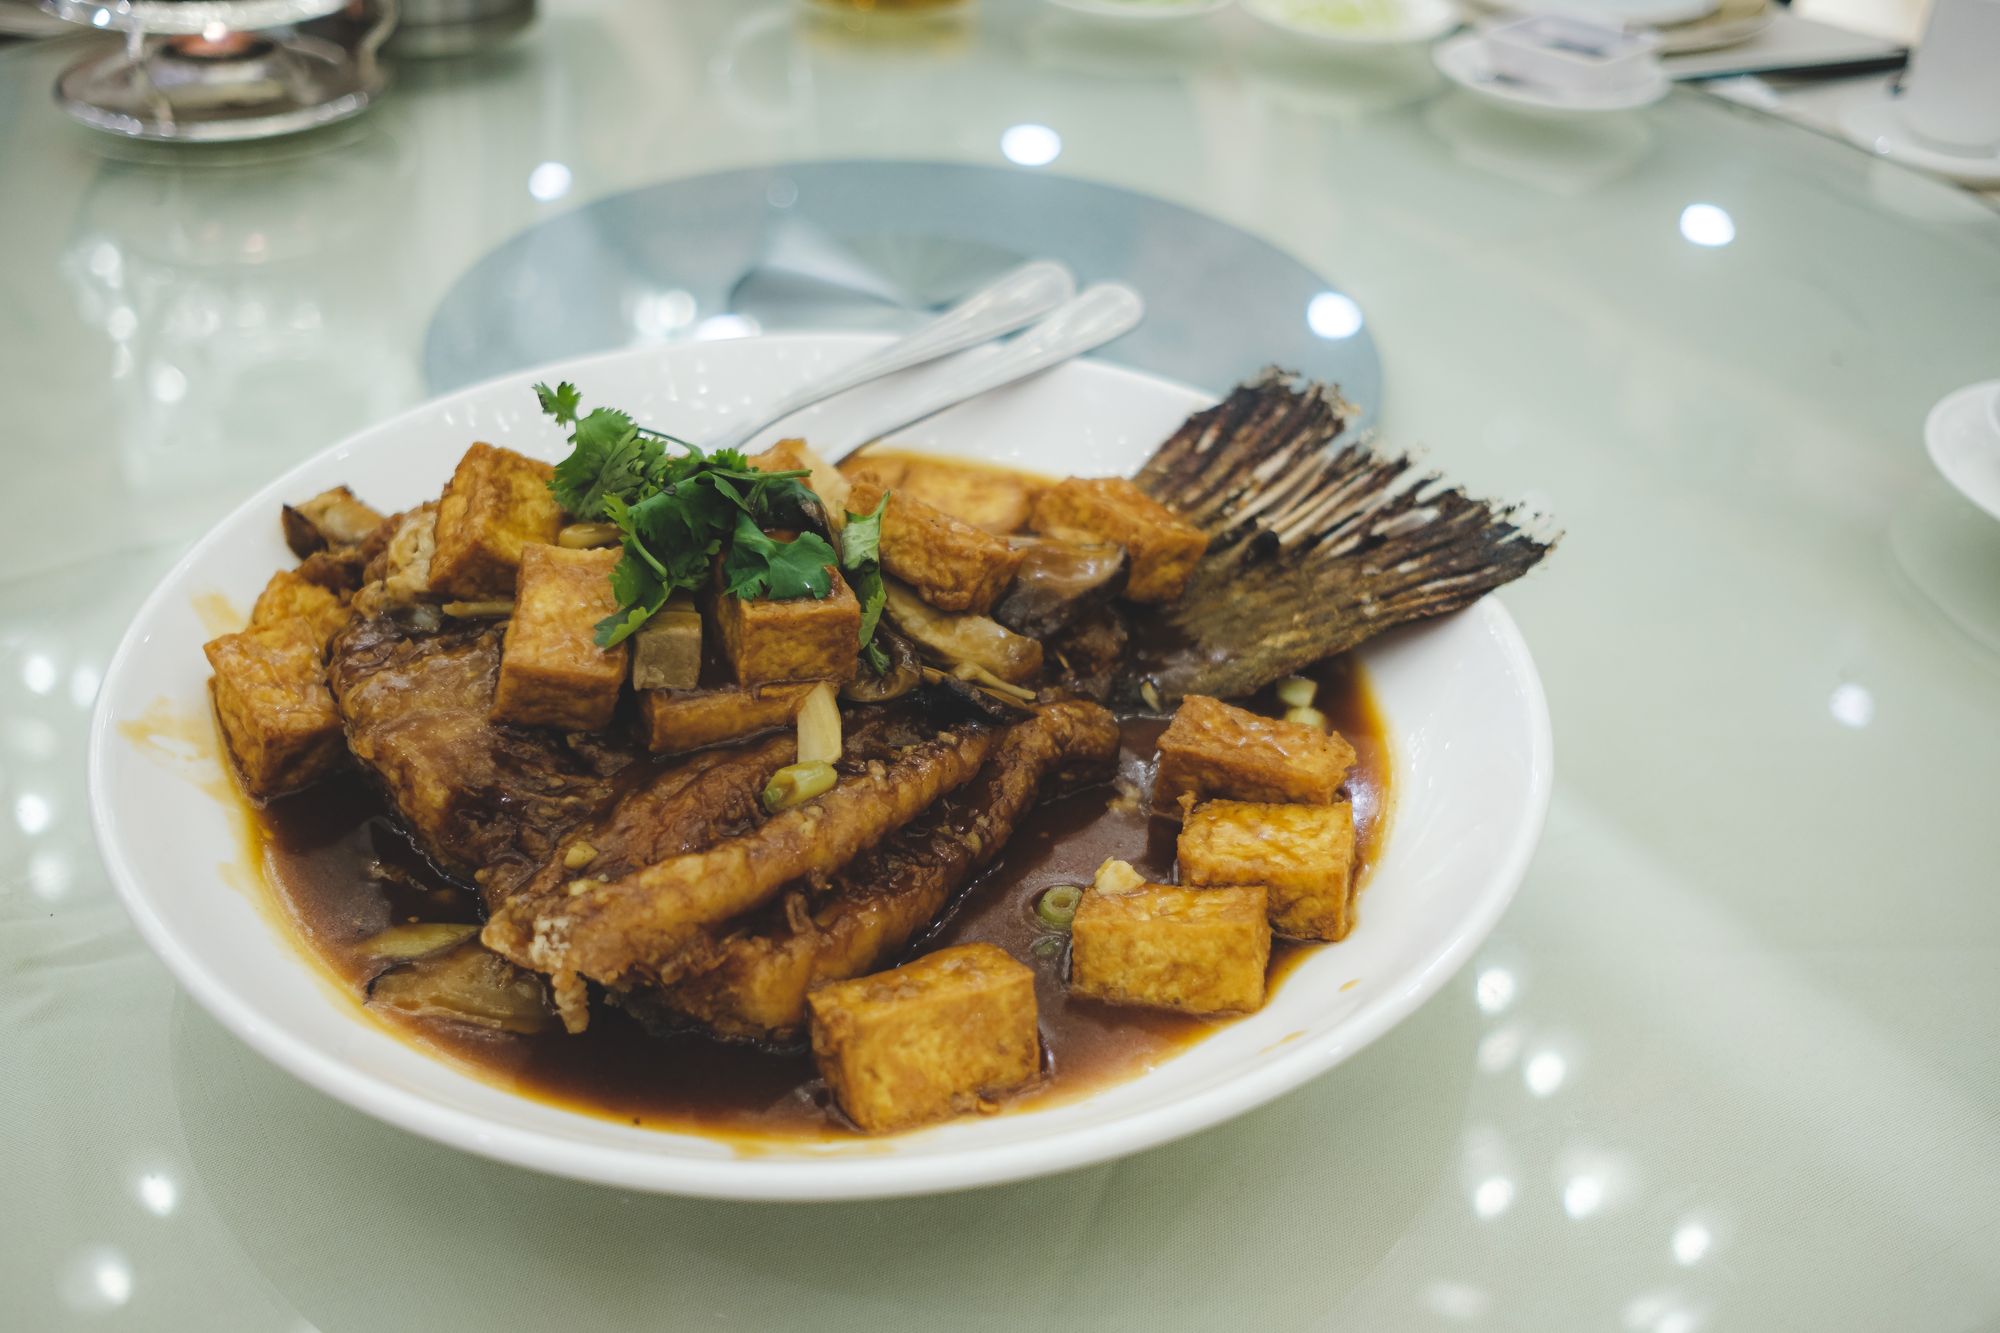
(1571,55)
(1877,123)
(1353,23)
(1144,11)
(1962,434)
(1467,60)
(1616,13)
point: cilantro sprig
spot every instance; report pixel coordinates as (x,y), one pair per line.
(676,512)
(861,562)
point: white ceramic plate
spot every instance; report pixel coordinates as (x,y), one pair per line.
(1962,434)
(1464,60)
(1464,710)
(1360,23)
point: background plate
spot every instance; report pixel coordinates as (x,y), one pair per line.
(868,245)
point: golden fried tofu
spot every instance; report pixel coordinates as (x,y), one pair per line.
(271,699)
(666,652)
(1198,951)
(1163,545)
(1303,855)
(826,480)
(952,565)
(552,673)
(678,720)
(798,638)
(992,499)
(928,1039)
(497,502)
(1216,749)
(291,595)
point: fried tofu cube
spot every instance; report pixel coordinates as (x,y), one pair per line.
(826,481)
(1303,855)
(992,499)
(798,638)
(1196,951)
(952,565)
(271,699)
(929,1039)
(290,595)
(995,499)
(666,652)
(1164,546)
(552,673)
(680,720)
(497,502)
(1216,749)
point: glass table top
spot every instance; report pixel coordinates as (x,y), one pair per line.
(1731,1061)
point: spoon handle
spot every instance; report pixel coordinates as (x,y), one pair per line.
(1015,299)
(1101,313)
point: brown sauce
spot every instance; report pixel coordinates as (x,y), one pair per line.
(344,870)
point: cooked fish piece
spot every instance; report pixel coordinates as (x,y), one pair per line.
(959,639)
(485,801)
(676,810)
(756,984)
(1060,582)
(332,518)
(670,812)
(1312,548)
(644,925)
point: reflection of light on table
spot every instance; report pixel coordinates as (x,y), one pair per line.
(1706,224)
(1332,315)
(1030,145)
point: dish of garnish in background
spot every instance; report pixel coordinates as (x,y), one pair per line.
(1359,23)
(1142,11)
(1463,828)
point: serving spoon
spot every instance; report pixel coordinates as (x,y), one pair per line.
(1096,316)
(1012,301)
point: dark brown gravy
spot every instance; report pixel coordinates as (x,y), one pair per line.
(344,870)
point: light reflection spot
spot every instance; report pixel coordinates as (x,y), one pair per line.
(1544,1073)
(1852,705)
(1493,1196)
(1494,989)
(1691,1242)
(1583,1196)
(1030,145)
(549,181)
(1332,315)
(1707,225)
(32,813)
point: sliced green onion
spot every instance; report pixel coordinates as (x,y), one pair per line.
(1047,947)
(819,725)
(1297,692)
(795,784)
(1306,717)
(1056,908)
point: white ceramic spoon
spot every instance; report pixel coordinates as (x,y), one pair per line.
(1011,302)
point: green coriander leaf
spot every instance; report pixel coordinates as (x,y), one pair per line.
(761,566)
(608,459)
(861,561)
(861,539)
(640,593)
(560,402)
